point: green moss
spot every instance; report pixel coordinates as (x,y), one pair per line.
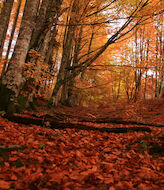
(152,144)
(5,100)
(22,101)
(17,163)
(4,154)
(5,96)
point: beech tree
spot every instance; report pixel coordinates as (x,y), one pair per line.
(38,31)
(4,21)
(15,18)
(43,37)
(13,78)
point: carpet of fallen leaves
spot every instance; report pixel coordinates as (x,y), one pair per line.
(72,159)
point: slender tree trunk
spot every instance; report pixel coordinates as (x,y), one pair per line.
(4,21)
(147,59)
(161,55)
(162,89)
(136,71)
(71,95)
(89,49)
(139,60)
(156,67)
(65,62)
(13,77)
(152,78)
(11,39)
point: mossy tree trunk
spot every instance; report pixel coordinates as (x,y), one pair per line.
(13,78)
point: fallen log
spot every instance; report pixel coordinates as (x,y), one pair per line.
(123,122)
(61,125)
(100,120)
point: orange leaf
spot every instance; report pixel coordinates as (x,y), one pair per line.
(13,158)
(78,153)
(109,180)
(57,177)
(111,188)
(4,184)
(14,177)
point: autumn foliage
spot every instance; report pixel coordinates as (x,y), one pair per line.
(35,157)
(81,95)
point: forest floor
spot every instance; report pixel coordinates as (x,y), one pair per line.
(41,157)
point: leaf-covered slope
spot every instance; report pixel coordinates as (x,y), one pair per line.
(45,158)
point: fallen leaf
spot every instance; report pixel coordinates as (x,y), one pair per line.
(111,188)
(14,177)
(4,184)
(57,177)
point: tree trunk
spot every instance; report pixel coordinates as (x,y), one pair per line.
(162,90)
(45,31)
(161,54)
(13,77)
(139,60)
(4,21)
(60,91)
(44,35)
(147,59)
(11,39)
(40,24)
(89,50)
(72,95)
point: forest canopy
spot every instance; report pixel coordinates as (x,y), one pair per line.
(86,53)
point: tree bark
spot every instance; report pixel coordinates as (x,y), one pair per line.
(16,16)
(147,59)
(44,35)
(13,77)
(45,31)
(40,24)
(60,91)
(4,21)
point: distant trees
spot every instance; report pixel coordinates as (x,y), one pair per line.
(135,17)
(146,58)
